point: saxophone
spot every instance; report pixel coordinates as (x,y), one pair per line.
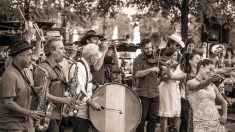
(71,110)
(44,105)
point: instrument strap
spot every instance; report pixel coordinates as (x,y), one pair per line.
(82,62)
(57,70)
(25,78)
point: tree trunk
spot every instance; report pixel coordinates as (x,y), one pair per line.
(184,19)
(27,9)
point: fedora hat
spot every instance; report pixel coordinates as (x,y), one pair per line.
(177,39)
(89,34)
(19,47)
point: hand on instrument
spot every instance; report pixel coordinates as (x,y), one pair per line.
(28,25)
(171,62)
(104,47)
(36,114)
(215,77)
(68,100)
(94,105)
(223,119)
(38,38)
(29,34)
(154,69)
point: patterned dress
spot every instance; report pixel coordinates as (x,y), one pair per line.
(205,114)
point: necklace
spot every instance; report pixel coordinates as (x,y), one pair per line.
(198,79)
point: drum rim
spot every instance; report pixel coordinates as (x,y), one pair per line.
(139,101)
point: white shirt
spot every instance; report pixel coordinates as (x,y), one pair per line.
(82,80)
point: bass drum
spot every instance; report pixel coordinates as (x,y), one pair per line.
(122,109)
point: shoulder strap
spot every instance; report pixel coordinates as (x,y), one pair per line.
(57,79)
(84,95)
(81,61)
(25,78)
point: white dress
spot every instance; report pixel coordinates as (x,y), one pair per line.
(169,99)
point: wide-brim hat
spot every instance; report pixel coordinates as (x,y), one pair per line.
(88,35)
(177,39)
(19,47)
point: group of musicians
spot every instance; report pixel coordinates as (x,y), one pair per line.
(26,90)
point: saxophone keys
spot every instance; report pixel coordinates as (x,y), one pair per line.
(77,101)
(48,114)
(40,127)
(66,94)
(75,112)
(71,113)
(76,107)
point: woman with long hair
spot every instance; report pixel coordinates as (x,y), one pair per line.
(202,95)
(184,72)
(169,96)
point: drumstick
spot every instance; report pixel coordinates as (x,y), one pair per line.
(114,110)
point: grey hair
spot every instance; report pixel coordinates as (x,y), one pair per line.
(89,50)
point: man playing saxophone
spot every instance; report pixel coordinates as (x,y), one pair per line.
(54,51)
(16,91)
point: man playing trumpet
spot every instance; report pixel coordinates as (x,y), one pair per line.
(97,69)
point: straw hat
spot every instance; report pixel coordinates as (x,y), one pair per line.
(177,39)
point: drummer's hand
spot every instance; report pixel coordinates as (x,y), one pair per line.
(94,105)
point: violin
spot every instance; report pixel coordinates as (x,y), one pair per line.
(159,60)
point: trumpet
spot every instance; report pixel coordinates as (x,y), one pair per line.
(112,42)
(35,25)
(72,48)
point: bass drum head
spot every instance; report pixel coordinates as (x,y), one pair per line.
(122,109)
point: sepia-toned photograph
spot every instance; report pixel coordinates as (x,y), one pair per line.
(117,66)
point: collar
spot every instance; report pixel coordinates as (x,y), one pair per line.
(52,64)
(143,56)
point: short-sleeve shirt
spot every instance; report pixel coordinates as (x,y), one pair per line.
(146,86)
(13,85)
(56,83)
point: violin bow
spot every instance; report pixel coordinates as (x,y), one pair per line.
(158,61)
